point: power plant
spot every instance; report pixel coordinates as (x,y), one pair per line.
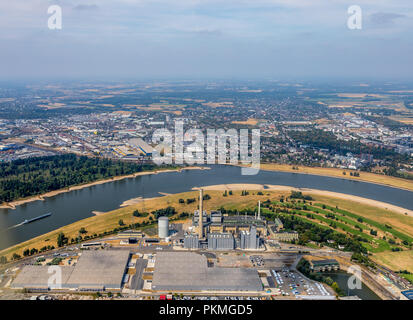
(222,232)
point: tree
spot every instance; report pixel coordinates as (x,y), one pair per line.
(61,240)
(206,197)
(82,230)
(15,256)
(121,223)
(3,260)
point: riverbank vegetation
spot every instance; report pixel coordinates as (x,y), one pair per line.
(35,176)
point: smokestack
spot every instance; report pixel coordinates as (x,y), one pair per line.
(201,216)
(259,210)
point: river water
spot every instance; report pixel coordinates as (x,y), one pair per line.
(72,206)
(365,293)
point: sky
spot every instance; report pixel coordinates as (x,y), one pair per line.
(184,39)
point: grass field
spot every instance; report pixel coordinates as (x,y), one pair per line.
(249,122)
(408,277)
(401,222)
(396,260)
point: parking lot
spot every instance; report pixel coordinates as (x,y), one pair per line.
(291,283)
(257,261)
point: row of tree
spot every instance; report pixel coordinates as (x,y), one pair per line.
(33,176)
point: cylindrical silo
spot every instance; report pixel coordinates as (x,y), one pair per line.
(163,227)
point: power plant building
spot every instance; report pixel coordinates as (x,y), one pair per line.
(195,218)
(221,241)
(191,241)
(249,240)
(220,231)
(216,217)
(163,227)
(236,224)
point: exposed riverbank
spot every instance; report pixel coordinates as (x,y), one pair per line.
(14,204)
(375,178)
(267,187)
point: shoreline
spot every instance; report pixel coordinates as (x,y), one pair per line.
(287,168)
(12,205)
(269,187)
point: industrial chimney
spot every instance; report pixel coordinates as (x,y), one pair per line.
(201,215)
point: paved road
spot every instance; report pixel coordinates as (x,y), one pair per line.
(137,281)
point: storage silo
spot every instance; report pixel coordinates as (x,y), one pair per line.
(163,227)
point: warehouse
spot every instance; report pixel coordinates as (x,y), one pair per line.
(141,146)
(99,270)
(95,271)
(189,271)
(37,277)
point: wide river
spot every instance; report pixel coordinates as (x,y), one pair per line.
(76,205)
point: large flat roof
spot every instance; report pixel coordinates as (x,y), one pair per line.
(324,262)
(38,276)
(94,270)
(189,271)
(100,268)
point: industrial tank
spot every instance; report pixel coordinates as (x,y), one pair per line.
(163,227)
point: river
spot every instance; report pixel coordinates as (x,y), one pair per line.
(365,293)
(72,206)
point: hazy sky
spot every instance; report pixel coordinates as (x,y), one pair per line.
(104,39)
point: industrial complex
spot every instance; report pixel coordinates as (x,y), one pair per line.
(212,254)
(218,232)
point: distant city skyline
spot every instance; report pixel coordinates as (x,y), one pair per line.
(243,39)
